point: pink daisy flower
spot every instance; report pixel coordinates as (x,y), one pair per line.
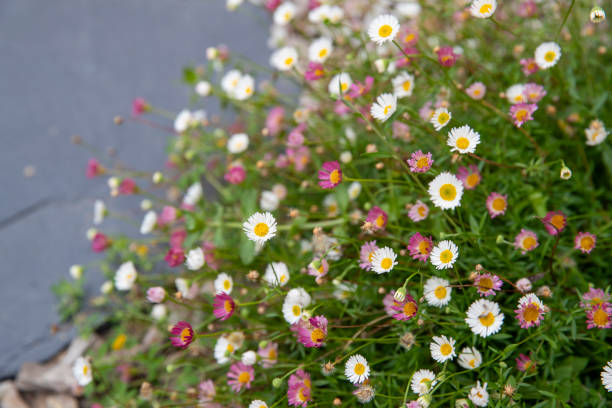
(405,310)
(235,175)
(476,91)
(497,204)
(296,136)
(526,241)
(426,111)
(527,8)
(93,168)
(418,212)
(206,393)
(175,257)
(530,311)
(365,255)
(314,72)
(240,376)
(585,241)
(408,36)
(413,404)
(529,66)
(377,217)
(406,57)
(487,284)
(599,316)
(525,363)
(300,157)
(312,332)
(420,247)
(177,237)
(156,294)
(224,306)
(99,242)
(420,162)
(139,106)
(594,297)
(534,92)
(268,354)
(446,56)
(330,175)
(521,113)
(181,334)
(469,176)
(167,215)
(389,303)
(554,222)
(358,89)
(127,187)
(318,267)
(274,120)
(299,389)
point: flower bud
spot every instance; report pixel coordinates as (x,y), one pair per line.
(146,204)
(597,14)
(566,173)
(212,53)
(91,233)
(277,382)
(400,294)
(499,239)
(158,177)
(106,287)
(76,271)
(380,65)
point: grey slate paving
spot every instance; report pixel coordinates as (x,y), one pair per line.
(67,67)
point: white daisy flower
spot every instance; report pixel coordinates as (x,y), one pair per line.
(260,227)
(245,88)
(444,255)
(203,88)
(106,287)
(383,260)
(294,304)
(230,80)
(423,381)
(277,274)
(159,312)
(606,376)
(547,54)
(409,9)
(479,395)
(442,348)
(340,83)
(354,190)
(403,84)
(269,201)
(249,358)
(232,5)
(148,222)
(483,8)
(357,369)
(445,191)
(335,14)
(383,28)
(182,121)
(319,14)
(194,194)
(81,369)
(76,272)
(223,349)
(515,94)
(100,211)
(484,317)
(469,358)
(463,139)
(125,276)
(224,283)
(437,291)
(258,404)
(284,58)
(331,205)
(440,118)
(284,13)
(238,143)
(195,259)
(320,49)
(384,107)
(596,133)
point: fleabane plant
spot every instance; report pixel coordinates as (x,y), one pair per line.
(425,224)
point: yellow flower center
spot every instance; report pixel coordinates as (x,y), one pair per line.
(387,109)
(446,256)
(600,317)
(463,143)
(529,243)
(443,118)
(424,247)
(472,363)
(317,335)
(485,8)
(440,292)
(385,30)
(244,377)
(227,305)
(288,61)
(550,56)
(558,221)
(409,308)
(521,114)
(485,284)
(323,53)
(472,179)
(421,211)
(248,90)
(230,348)
(386,263)
(359,369)
(380,221)
(296,310)
(407,84)
(476,92)
(226,284)
(409,37)
(499,204)
(370,255)
(272,354)
(344,86)
(334,177)
(85,369)
(119,342)
(185,334)
(422,162)
(448,192)
(446,349)
(301,395)
(531,313)
(321,269)
(586,243)
(261,229)
(487,320)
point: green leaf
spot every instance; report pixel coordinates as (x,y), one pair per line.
(377,155)
(189,75)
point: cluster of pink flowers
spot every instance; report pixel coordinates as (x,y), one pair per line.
(598,309)
(299,393)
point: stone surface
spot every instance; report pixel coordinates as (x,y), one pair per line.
(68,67)
(9,396)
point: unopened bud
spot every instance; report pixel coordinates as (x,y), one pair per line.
(400,294)
(277,382)
(76,271)
(158,177)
